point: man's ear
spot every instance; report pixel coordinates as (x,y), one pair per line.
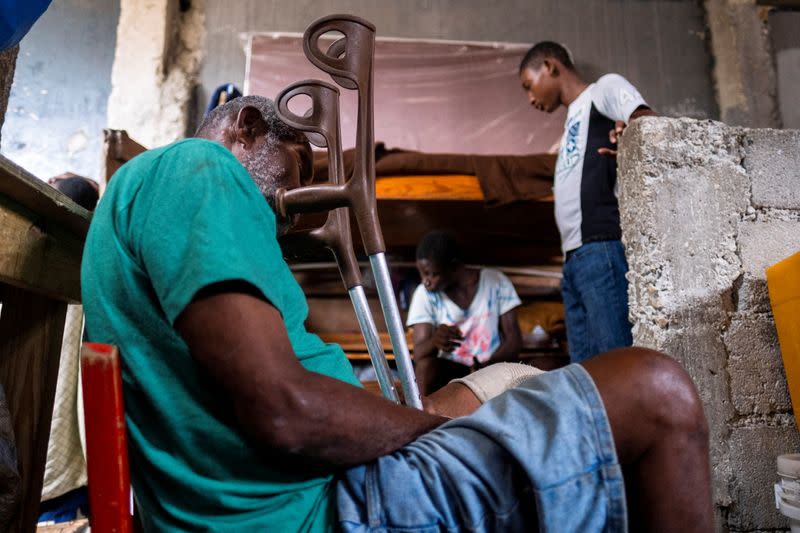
(550,66)
(249,126)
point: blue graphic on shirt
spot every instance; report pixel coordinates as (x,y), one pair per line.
(570,149)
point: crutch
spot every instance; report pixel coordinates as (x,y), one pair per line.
(349,62)
(321,127)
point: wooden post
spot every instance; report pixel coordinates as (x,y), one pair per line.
(31,327)
(41,241)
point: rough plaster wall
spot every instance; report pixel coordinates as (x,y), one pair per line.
(660,45)
(57,108)
(8,60)
(744,71)
(155,69)
(703,213)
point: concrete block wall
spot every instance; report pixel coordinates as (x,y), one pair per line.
(705,208)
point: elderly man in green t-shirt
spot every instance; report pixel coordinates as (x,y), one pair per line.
(240,419)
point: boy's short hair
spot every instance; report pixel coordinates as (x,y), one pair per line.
(546,49)
(440,248)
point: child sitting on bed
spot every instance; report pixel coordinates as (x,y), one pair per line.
(462,319)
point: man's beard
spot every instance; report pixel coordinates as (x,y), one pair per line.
(266,175)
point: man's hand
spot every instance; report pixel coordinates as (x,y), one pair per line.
(447,338)
(619,127)
(613,136)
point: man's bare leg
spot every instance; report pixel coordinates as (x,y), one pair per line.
(661,437)
(659,431)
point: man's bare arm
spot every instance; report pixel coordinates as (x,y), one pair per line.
(240,340)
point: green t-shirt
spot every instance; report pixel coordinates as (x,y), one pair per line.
(172,221)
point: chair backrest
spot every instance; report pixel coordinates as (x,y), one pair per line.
(106,440)
(118,149)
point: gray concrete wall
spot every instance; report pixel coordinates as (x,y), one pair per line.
(57,108)
(705,208)
(783,28)
(744,70)
(660,45)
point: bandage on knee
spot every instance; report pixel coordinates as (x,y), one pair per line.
(495,379)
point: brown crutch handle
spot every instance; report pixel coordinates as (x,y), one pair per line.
(348,60)
(321,126)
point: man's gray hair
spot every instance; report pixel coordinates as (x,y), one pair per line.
(278,130)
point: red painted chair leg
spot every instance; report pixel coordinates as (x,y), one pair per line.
(106,441)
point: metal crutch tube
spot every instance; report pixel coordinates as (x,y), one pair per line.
(321,126)
(349,61)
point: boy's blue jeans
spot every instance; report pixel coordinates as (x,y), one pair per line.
(595,294)
(540,457)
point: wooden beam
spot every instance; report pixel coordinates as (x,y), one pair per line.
(38,254)
(790,4)
(26,190)
(31,329)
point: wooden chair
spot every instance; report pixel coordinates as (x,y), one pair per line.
(118,149)
(106,440)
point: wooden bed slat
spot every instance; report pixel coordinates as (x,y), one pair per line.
(449,187)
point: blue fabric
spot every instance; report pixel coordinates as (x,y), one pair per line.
(69,506)
(539,457)
(595,294)
(17,18)
(231,92)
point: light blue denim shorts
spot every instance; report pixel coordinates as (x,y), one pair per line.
(539,457)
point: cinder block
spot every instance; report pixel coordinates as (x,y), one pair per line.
(682,193)
(753,454)
(772,160)
(758,381)
(696,343)
(764,243)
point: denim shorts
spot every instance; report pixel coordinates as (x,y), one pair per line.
(539,457)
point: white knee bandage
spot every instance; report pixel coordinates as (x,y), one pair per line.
(495,379)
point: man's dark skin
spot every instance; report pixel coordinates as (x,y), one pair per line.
(240,339)
(552,85)
(460,284)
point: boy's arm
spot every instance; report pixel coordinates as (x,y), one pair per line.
(620,101)
(511,342)
(619,127)
(428,340)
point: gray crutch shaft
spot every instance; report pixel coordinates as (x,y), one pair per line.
(397,334)
(373,341)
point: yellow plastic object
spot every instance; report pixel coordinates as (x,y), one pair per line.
(783,281)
